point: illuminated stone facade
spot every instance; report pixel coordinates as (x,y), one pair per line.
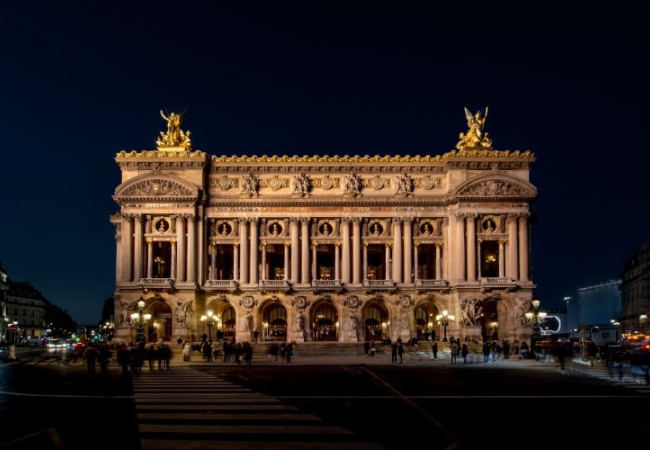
(313,248)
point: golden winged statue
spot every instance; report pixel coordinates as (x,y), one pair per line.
(475,137)
(174,137)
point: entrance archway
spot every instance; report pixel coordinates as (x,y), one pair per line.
(325,323)
(275,323)
(376,323)
(489,320)
(160,326)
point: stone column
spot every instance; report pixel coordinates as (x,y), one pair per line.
(365,261)
(304,272)
(254,249)
(438,262)
(265,269)
(480,258)
(201,248)
(446,247)
(287,269)
(416,266)
(356,251)
(295,251)
(460,247)
(408,250)
(397,251)
(137,249)
(502,259)
(345,250)
(180,253)
(127,245)
(523,248)
(191,249)
(243,251)
(172,267)
(471,247)
(386,256)
(235,262)
(149,258)
(337,265)
(512,264)
(314,275)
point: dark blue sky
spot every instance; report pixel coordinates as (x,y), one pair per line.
(83,80)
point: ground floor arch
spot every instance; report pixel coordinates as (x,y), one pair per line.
(324,322)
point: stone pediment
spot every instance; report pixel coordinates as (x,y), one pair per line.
(496,186)
(156,188)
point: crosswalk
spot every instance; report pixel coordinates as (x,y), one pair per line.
(627,379)
(186,408)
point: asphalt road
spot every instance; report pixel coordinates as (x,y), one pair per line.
(47,402)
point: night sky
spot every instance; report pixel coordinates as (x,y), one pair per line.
(83,80)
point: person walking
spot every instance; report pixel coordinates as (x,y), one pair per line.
(434,350)
(393,352)
(464,351)
(400,350)
(90,356)
(454,351)
(486,351)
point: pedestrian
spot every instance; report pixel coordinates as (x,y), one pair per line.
(187,351)
(393,352)
(400,350)
(454,351)
(90,356)
(256,335)
(560,354)
(104,358)
(486,351)
(206,349)
(464,351)
(288,352)
(434,350)
(273,351)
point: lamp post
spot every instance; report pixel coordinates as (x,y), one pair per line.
(495,327)
(615,323)
(444,319)
(208,318)
(643,318)
(140,319)
(536,318)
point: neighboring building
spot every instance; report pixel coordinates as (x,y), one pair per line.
(594,311)
(27,308)
(336,248)
(4,287)
(24,306)
(635,291)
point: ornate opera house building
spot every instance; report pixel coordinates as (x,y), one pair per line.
(323,248)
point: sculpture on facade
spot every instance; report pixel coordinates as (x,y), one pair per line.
(301,321)
(248,321)
(183,311)
(475,137)
(249,184)
(174,137)
(403,183)
(351,184)
(299,184)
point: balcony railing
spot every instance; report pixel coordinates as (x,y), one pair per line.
(326,285)
(379,285)
(275,285)
(156,283)
(497,282)
(431,284)
(221,285)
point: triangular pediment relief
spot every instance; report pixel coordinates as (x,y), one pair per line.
(496,186)
(158,187)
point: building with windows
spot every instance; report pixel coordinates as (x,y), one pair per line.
(635,291)
(323,248)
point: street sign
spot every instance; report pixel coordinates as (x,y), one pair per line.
(12,328)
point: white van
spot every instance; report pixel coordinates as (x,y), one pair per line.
(34,341)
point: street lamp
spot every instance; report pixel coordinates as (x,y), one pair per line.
(643,318)
(616,323)
(444,319)
(208,318)
(495,327)
(140,319)
(536,318)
